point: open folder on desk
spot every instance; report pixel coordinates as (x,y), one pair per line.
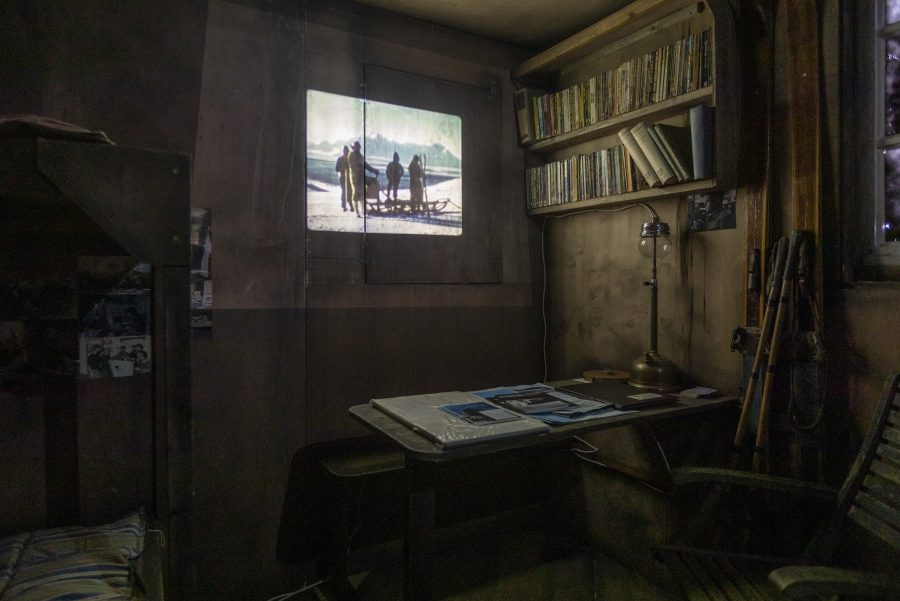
(549,404)
(427,414)
(612,392)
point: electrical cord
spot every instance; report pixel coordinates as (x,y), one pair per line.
(288,595)
(359,516)
(592,448)
(639,480)
(662,453)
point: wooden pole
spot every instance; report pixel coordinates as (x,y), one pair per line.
(764,335)
(760,450)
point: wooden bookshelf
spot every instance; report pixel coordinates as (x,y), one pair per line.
(656,112)
(674,190)
(620,28)
(640,28)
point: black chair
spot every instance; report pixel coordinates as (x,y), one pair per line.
(868,503)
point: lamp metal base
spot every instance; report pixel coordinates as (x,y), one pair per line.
(654,372)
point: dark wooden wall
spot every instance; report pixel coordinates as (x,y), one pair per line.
(226,81)
(133,72)
(598,306)
(283,361)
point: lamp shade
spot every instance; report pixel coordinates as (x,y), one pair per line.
(655,232)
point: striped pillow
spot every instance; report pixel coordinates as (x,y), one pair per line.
(66,564)
(10,553)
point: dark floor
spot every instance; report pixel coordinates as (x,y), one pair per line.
(498,559)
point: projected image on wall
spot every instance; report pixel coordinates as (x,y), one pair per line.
(382,168)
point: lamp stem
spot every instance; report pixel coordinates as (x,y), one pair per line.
(654,294)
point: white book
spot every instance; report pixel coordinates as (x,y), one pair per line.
(653,153)
(640,159)
(698,392)
(670,161)
(676,142)
(425,413)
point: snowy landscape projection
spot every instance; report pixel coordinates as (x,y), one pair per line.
(425,148)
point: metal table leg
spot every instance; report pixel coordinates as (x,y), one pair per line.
(419,541)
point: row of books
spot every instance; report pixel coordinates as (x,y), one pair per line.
(672,70)
(605,172)
(650,155)
(666,154)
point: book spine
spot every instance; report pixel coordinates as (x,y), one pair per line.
(523,113)
(660,166)
(670,143)
(701,119)
(640,159)
(651,129)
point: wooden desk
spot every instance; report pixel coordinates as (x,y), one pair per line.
(422,455)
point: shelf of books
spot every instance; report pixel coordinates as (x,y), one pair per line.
(697,187)
(604,128)
(640,105)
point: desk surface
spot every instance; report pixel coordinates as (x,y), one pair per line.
(419,447)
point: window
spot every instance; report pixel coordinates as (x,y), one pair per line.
(870,139)
(887,128)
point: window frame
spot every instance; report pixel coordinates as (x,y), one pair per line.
(883,251)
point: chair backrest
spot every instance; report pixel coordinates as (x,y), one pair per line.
(870,496)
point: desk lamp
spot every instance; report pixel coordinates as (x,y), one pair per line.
(651,370)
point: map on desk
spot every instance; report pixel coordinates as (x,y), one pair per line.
(425,414)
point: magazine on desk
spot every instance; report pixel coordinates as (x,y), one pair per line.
(438,417)
(548,404)
(480,413)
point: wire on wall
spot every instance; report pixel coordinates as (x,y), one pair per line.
(544,265)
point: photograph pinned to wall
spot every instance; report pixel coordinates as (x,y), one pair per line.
(115,356)
(115,319)
(382,168)
(201,268)
(714,211)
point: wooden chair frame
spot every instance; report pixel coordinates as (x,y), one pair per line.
(870,497)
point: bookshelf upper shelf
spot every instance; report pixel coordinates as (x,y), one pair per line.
(627,21)
(659,110)
(622,61)
(706,185)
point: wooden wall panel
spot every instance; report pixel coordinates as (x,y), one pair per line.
(599,308)
(143,75)
(249,420)
(249,162)
(269,378)
(24,489)
(714,291)
(115,452)
(357,354)
(132,71)
(866,352)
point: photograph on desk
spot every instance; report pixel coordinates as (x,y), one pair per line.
(548,404)
(480,413)
(425,414)
(537,398)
